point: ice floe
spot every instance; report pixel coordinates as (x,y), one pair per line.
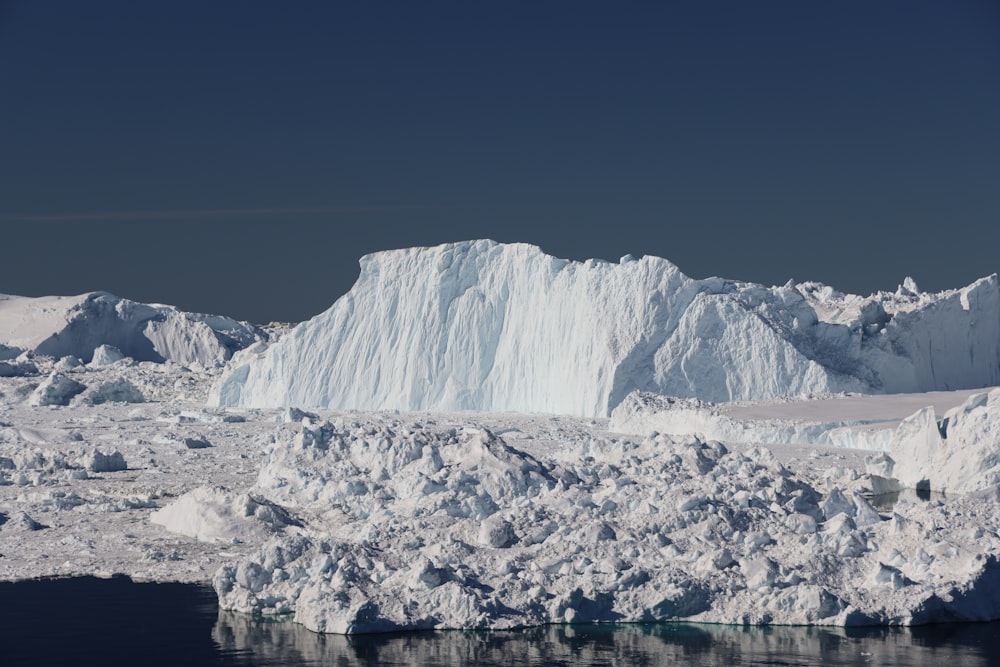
(57,389)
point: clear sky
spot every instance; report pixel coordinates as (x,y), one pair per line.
(238,157)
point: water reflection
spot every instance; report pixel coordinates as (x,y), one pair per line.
(689,644)
(89,621)
(885,502)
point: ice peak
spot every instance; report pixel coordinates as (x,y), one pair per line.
(908,288)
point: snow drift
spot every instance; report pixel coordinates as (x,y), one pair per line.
(77,325)
(494,327)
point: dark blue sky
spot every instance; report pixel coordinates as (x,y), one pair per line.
(239,157)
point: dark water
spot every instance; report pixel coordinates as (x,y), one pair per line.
(885,502)
(116,622)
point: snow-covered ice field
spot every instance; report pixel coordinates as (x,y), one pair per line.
(245,468)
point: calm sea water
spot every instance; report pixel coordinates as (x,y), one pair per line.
(116,622)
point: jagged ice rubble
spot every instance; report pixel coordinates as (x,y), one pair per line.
(479,435)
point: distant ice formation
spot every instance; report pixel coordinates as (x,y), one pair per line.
(493,327)
(109,326)
(363,522)
(957,453)
(643,413)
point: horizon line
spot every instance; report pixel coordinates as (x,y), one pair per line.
(199,213)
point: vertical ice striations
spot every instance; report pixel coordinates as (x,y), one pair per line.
(474,326)
(496,327)
(504,327)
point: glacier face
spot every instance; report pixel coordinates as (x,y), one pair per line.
(504,327)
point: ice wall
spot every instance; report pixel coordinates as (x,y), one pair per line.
(486,326)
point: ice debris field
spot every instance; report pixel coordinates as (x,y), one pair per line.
(479,435)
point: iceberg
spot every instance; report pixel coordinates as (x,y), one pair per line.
(959,453)
(102,323)
(487,326)
(352,522)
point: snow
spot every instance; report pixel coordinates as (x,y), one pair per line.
(76,325)
(8,352)
(100,461)
(17,369)
(115,391)
(68,363)
(852,421)
(504,327)
(957,453)
(19,523)
(214,514)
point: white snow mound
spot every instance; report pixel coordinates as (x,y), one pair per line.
(105,355)
(215,514)
(495,327)
(115,391)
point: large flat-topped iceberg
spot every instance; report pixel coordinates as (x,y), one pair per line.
(77,325)
(495,327)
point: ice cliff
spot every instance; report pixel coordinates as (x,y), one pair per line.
(77,325)
(494,327)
